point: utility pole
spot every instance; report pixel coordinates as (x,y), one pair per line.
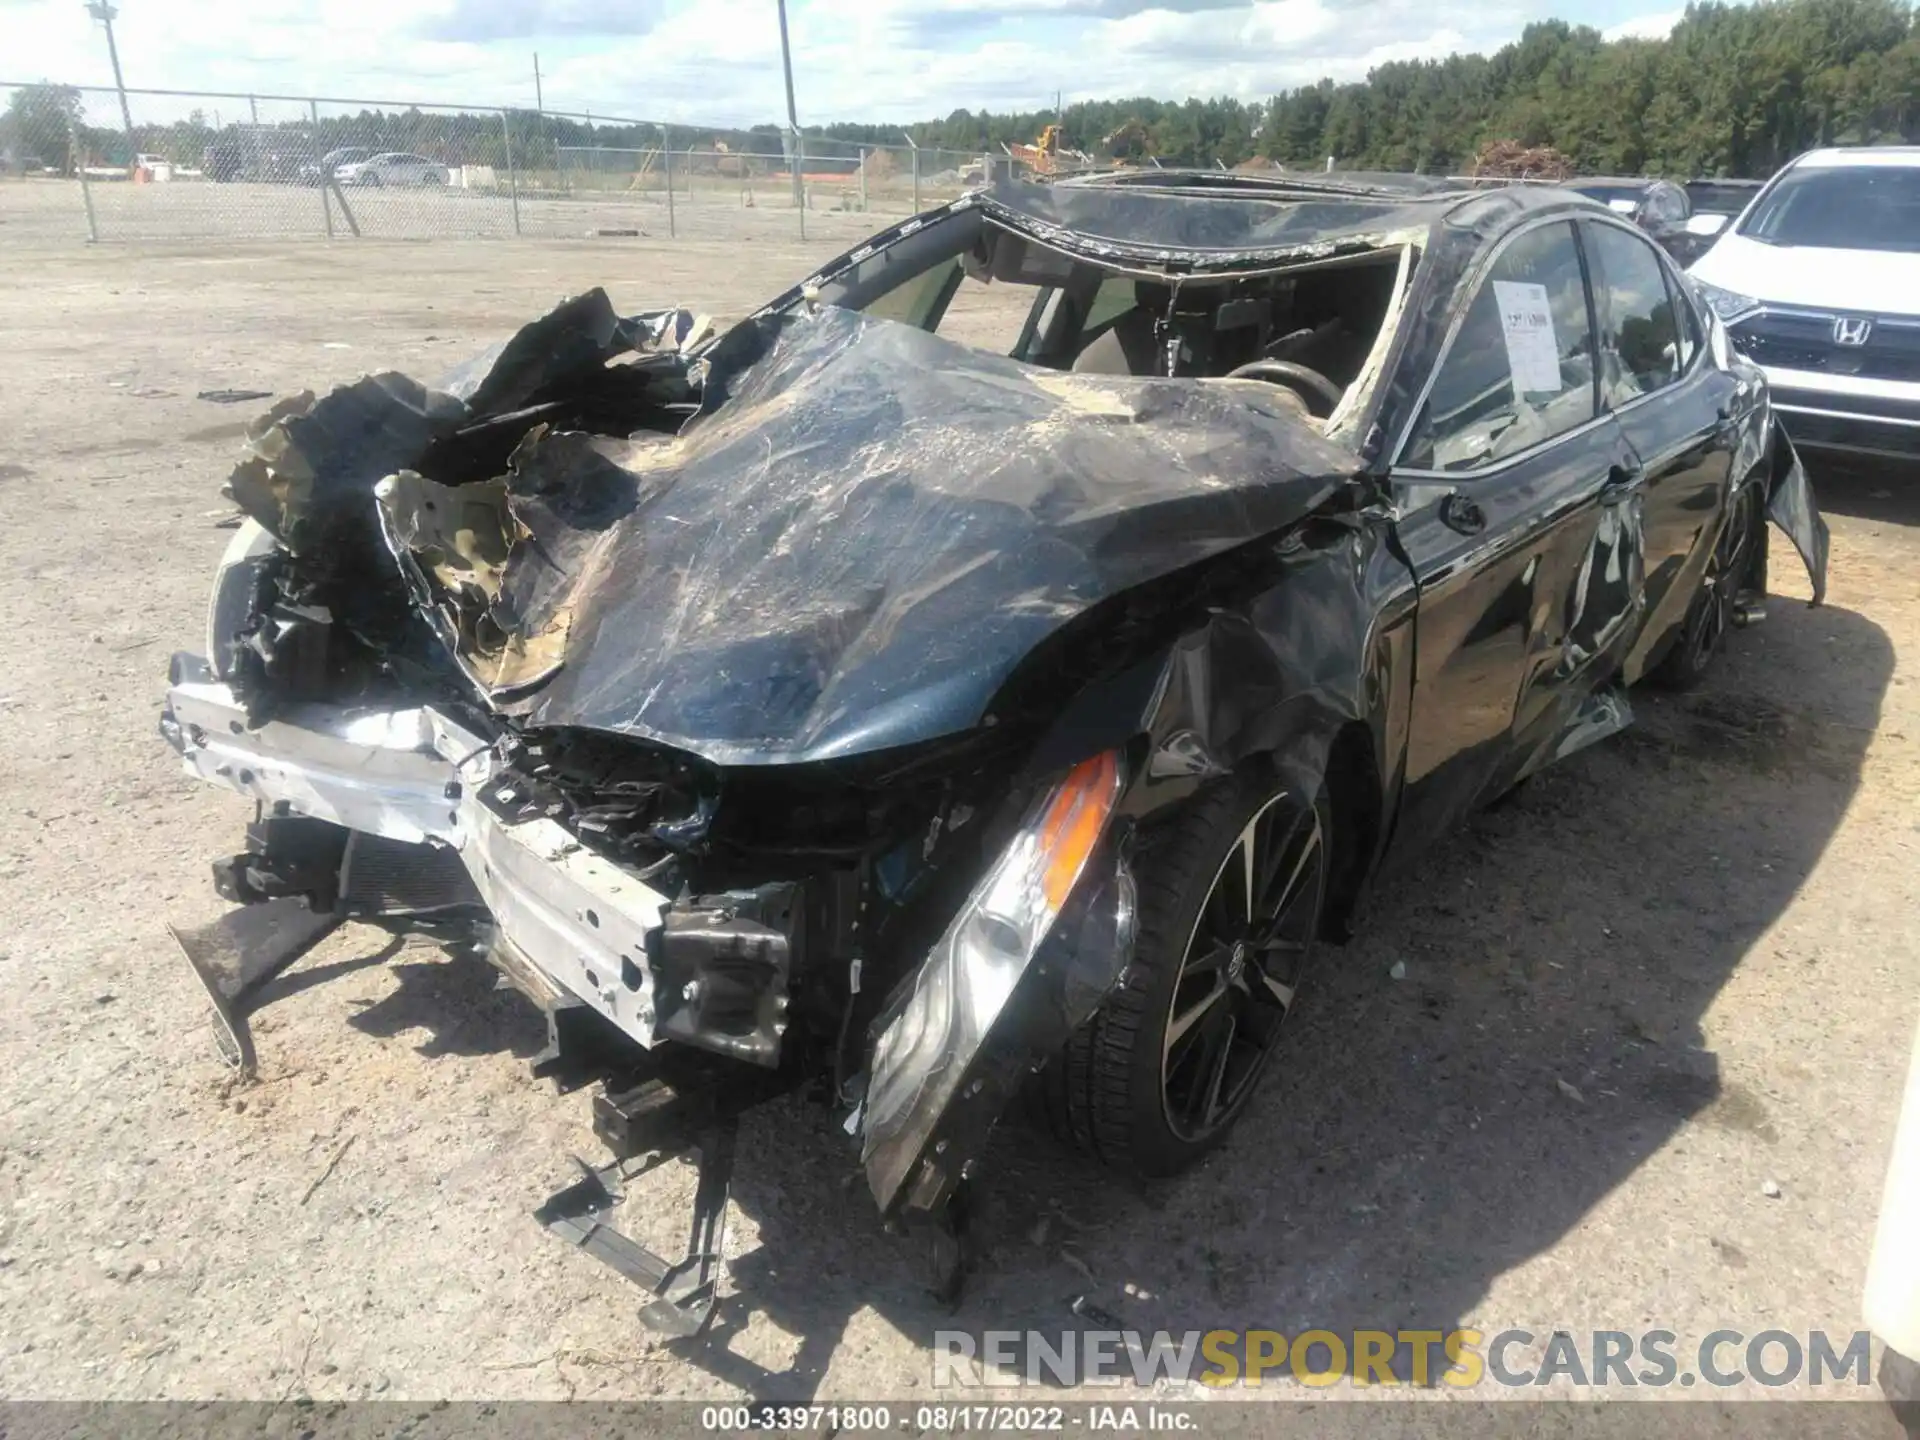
(793,123)
(540,114)
(104,12)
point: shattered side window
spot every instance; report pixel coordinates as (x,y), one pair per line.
(1114,298)
(986,315)
(917,300)
(1520,370)
(989,315)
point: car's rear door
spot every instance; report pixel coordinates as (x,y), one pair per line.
(1674,406)
(1518,507)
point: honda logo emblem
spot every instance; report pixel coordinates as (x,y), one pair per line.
(1851,332)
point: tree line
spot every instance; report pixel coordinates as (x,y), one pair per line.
(1734,90)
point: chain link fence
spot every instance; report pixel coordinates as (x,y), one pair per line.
(177,165)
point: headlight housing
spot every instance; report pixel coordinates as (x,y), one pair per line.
(1731,306)
(969,974)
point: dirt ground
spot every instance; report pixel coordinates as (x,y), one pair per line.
(1679,967)
(55,212)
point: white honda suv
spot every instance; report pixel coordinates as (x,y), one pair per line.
(1819,282)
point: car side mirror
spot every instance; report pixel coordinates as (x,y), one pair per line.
(1706,226)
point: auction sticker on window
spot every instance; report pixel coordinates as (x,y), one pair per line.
(1526,322)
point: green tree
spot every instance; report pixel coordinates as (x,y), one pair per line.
(38,125)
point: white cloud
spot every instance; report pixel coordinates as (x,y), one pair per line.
(1645,27)
(718,60)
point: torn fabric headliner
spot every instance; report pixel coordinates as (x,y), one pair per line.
(866,530)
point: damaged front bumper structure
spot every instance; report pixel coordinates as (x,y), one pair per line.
(408,818)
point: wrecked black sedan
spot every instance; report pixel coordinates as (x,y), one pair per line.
(827,703)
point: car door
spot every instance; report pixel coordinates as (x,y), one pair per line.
(1674,406)
(1517,503)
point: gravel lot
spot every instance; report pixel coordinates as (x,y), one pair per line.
(1678,967)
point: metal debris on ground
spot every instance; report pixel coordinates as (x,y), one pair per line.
(1084,1307)
(322,1177)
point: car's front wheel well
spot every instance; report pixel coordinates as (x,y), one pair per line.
(1354,794)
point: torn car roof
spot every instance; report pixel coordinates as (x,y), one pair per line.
(1211,220)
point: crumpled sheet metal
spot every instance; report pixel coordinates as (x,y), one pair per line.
(311,464)
(461,536)
(868,528)
(1791,506)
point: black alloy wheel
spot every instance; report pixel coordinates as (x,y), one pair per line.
(1704,633)
(1232,885)
(1242,966)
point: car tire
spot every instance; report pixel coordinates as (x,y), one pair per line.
(1703,634)
(1159,1075)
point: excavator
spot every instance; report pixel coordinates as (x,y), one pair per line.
(1047,156)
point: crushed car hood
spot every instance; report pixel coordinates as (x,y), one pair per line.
(850,548)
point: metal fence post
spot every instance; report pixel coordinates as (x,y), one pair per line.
(345,209)
(666,160)
(913,163)
(513,180)
(800,178)
(864,153)
(326,207)
(79,159)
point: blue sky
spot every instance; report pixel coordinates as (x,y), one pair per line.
(718,62)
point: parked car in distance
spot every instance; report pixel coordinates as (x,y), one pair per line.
(1666,209)
(329,165)
(1818,282)
(258,154)
(838,703)
(394,167)
(1659,207)
(223,160)
(1721,197)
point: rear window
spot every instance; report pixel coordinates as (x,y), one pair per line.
(1847,208)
